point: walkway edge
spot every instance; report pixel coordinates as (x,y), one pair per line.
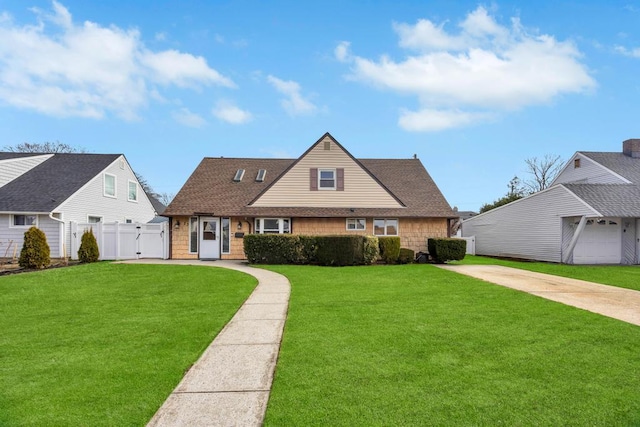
(230,383)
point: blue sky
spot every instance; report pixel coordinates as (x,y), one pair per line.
(472,88)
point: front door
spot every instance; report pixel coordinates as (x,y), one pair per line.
(209,237)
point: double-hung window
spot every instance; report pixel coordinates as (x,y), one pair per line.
(109,185)
(133,191)
(326,179)
(385,227)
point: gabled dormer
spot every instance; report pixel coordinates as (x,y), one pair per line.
(327,175)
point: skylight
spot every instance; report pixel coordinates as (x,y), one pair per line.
(261,174)
(239,175)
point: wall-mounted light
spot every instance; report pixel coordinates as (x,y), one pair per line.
(177,225)
(239,225)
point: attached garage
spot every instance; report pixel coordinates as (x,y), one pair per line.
(600,242)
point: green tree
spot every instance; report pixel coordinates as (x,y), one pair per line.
(35,251)
(88,251)
(515,192)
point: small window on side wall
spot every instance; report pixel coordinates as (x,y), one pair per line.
(356,224)
(24,220)
(94,219)
(576,163)
(109,185)
(133,191)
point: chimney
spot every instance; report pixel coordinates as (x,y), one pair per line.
(631,147)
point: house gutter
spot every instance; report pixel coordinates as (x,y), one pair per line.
(574,240)
(63,239)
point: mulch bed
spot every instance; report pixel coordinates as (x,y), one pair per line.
(11,266)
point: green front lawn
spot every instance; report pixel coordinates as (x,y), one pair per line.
(624,276)
(417,345)
(105,344)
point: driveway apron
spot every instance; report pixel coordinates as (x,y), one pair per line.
(229,385)
(618,303)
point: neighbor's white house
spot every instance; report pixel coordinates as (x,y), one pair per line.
(589,215)
(52,190)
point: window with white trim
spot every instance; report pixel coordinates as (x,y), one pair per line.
(109,185)
(94,219)
(273,225)
(226,235)
(385,227)
(24,220)
(133,191)
(193,235)
(356,224)
(326,179)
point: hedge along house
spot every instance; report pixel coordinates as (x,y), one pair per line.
(325,191)
(589,215)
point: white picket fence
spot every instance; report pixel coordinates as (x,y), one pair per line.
(124,241)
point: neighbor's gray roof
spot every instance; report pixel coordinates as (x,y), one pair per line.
(615,200)
(50,183)
(625,166)
(210,189)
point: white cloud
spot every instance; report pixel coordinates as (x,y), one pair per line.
(88,70)
(294,103)
(634,53)
(342,51)
(187,118)
(228,112)
(471,75)
(431,120)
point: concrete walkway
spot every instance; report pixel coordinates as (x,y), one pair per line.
(618,303)
(229,385)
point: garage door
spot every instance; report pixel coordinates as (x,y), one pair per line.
(600,242)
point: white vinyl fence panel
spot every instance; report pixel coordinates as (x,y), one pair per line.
(124,241)
(471,244)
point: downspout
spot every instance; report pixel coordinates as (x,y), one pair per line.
(574,240)
(63,241)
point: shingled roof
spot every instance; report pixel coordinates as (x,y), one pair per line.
(211,190)
(46,186)
(614,200)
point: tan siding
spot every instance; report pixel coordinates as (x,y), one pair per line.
(414,232)
(180,239)
(360,189)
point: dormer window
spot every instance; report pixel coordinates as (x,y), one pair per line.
(261,175)
(239,175)
(326,179)
(576,163)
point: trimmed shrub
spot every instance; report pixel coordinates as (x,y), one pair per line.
(35,251)
(88,251)
(308,247)
(406,256)
(443,250)
(370,249)
(273,249)
(389,248)
(340,250)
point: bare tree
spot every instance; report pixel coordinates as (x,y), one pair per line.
(543,172)
(165,198)
(43,147)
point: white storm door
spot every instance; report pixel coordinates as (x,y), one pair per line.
(209,237)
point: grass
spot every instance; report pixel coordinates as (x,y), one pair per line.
(105,344)
(624,276)
(417,345)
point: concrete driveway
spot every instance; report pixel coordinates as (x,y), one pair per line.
(618,303)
